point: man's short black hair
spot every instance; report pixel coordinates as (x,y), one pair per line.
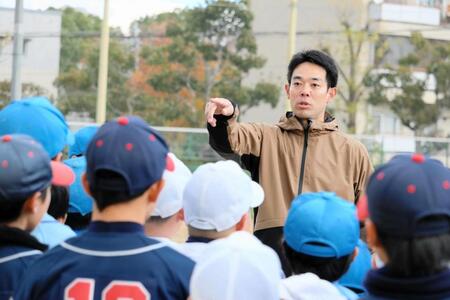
(59,203)
(330,269)
(10,210)
(412,257)
(318,58)
(109,188)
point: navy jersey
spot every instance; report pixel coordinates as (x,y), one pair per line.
(17,251)
(109,261)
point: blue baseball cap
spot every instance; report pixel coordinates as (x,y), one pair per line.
(25,168)
(82,139)
(322,224)
(130,147)
(355,275)
(79,200)
(38,118)
(403,194)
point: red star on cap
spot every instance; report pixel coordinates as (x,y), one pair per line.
(129,146)
(5,164)
(446,185)
(7,138)
(99,143)
(418,158)
(380,176)
(122,121)
(411,188)
(152,137)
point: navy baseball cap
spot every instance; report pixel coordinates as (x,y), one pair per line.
(129,147)
(404,193)
(79,201)
(322,224)
(26,168)
(38,118)
(82,139)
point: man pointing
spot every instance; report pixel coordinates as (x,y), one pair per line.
(303,152)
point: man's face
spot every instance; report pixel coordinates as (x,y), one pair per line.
(308,92)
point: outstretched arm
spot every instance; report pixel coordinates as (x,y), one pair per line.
(226,135)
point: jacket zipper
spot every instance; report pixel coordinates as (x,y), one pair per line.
(305,148)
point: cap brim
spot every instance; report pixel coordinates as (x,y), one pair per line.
(62,175)
(257,195)
(362,208)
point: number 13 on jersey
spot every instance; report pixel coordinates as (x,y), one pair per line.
(83,289)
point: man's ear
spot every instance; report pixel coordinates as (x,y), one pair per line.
(332,92)
(355,253)
(154,190)
(58,157)
(242,224)
(286,88)
(180,215)
(33,202)
(85,183)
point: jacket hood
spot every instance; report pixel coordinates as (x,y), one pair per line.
(291,123)
(380,284)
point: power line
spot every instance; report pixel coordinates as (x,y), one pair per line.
(96,34)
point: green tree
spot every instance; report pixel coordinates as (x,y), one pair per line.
(403,91)
(77,80)
(357,41)
(28,90)
(207,52)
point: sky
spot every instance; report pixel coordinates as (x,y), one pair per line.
(121,12)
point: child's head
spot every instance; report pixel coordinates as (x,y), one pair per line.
(125,158)
(217,199)
(236,267)
(408,225)
(39,119)
(321,235)
(80,203)
(59,203)
(82,139)
(168,212)
(26,173)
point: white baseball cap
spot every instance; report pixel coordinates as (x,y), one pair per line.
(218,195)
(236,267)
(170,199)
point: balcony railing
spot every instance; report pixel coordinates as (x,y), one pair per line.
(393,11)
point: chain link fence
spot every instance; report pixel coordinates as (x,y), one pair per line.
(191,145)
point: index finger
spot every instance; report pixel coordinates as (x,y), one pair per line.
(221,102)
(210,110)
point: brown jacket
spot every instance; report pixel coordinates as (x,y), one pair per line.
(330,160)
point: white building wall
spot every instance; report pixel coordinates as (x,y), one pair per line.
(40,63)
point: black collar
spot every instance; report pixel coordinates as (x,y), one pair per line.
(11,236)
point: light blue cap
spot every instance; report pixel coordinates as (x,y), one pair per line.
(38,118)
(82,139)
(355,275)
(322,224)
(79,200)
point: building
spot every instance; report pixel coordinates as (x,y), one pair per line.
(319,26)
(41,49)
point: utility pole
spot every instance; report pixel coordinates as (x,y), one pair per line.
(16,80)
(292,38)
(102,85)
